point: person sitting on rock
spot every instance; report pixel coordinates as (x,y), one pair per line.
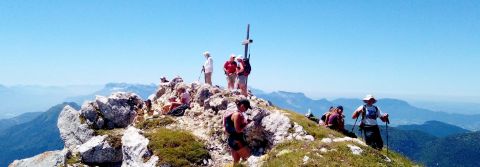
(183,104)
(234,126)
(336,122)
(324,119)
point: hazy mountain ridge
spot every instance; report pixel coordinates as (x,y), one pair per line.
(436,128)
(402,113)
(27,98)
(143,90)
(25,117)
(33,137)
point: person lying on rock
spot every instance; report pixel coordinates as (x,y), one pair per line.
(234,126)
(178,108)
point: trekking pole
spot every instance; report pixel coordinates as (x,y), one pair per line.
(355,124)
(203,69)
(386,126)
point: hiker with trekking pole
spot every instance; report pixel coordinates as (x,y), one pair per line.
(368,124)
(207,68)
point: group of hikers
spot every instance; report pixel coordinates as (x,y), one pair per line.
(369,113)
(236,69)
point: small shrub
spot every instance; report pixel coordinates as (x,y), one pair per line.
(176,148)
(155,123)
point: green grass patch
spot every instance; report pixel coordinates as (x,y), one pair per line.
(155,123)
(114,136)
(338,155)
(176,147)
(312,128)
(73,159)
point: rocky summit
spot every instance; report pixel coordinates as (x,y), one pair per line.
(117,131)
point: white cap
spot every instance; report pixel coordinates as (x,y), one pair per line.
(368,97)
(206,53)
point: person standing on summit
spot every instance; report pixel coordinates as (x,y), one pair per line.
(230,69)
(208,68)
(368,125)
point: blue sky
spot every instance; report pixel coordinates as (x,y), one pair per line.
(407,48)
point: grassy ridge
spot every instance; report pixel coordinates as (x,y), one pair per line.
(339,154)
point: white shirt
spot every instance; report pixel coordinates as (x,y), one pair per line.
(208,65)
(371,114)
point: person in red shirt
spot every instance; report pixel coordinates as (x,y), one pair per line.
(230,68)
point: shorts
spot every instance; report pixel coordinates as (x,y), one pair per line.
(237,142)
(242,79)
(231,78)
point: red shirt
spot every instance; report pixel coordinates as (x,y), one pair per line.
(230,66)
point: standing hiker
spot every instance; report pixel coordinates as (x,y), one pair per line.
(234,126)
(368,125)
(230,69)
(242,76)
(208,68)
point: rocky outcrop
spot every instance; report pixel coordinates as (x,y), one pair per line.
(99,151)
(113,116)
(72,131)
(115,111)
(49,158)
(134,148)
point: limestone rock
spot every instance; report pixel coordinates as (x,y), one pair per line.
(98,151)
(49,158)
(134,148)
(72,131)
(119,109)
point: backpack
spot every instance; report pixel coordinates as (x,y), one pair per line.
(364,113)
(246,68)
(228,125)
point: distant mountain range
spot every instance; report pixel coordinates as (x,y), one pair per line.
(32,137)
(140,89)
(401,112)
(25,117)
(16,100)
(435,128)
(429,142)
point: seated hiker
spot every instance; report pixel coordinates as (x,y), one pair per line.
(336,122)
(148,107)
(178,108)
(324,118)
(140,115)
(311,117)
(368,125)
(235,124)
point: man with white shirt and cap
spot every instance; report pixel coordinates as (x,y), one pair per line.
(368,125)
(208,68)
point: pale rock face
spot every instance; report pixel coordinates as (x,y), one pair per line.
(115,111)
(49,158)
(98,151)
(119,109)
(72,131)
(203,93)
(355,149)
(134,148)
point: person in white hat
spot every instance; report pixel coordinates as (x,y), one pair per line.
(208,68)
(368,125)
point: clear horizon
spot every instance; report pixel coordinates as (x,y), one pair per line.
(415,49)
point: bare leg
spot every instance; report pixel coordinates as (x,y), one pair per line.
(236,157)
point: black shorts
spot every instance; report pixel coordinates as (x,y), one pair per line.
(234,141)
